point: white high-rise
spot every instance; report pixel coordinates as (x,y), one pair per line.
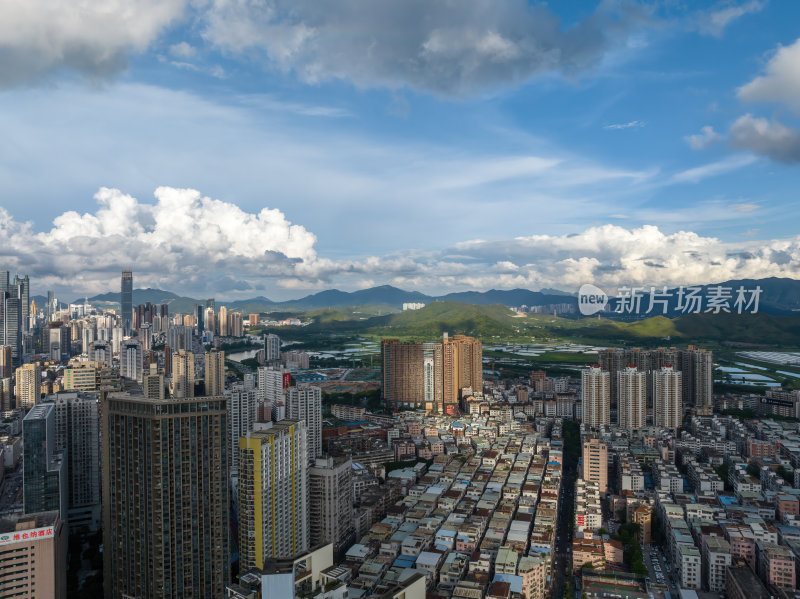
(631,398)
(667,399)
(270,384)
(305,403)
(272,347)
(131,360)
(241,416)
(596,397)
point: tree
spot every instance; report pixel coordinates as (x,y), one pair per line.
(753,470)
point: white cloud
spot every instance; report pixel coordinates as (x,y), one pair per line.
(706,137)
(38,37)
(771,139)
(745,207)
(628,125)
(434,45)
(192,244)
(183,50)
(713,169)
(781,82)
(714,21)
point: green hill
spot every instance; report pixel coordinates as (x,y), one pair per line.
(451,317)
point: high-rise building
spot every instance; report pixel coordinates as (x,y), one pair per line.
(273,493)
(57,340)
(33,556)
(78,437)
(29,385)
(403,383)
(271,384)
(241,416)
(44,478)
(100,352)
(126,302)
(179,337)
(596,397)
(215,372)
(24,285)
(153,383)
(11,318)
(595,463)
(6,394)
(430,375)
(131,360)
(50,308)
(199,319)
(459,362)
(632,398)
(304,402)
(182,374)
(697,370)
(235,325)
(222,321)
(330,482)
(667,398)
(272,348)
(6,363)
(165,497)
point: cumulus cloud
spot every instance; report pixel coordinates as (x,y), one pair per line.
(706,137)
(192,244)
(38,37)
(434,45)
(182,50)
(767,138)
(184,240)
(714,21)
(781,81)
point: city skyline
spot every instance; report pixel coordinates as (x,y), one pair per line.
(505,145)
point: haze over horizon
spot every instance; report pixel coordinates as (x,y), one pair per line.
(278,149)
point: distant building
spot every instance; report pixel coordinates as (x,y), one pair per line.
(182,374)
(667,398)
(131,360)
(29,385)
(413,306)
(331,501)
(596,397)
(126,302)
(44,467)
(632,398)
(304,402)
(215,372)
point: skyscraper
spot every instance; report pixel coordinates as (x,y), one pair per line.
(199,320)
(44,478)
(78,436)
(165,497)
(29,385)
(24,286)
(331,501)
(6,364)
(126,302)
(667,401)
(459,361)
(241,416)
(11,317)
(697,370)
(632,398)
(215,372)
(182,374)
(131,360)
(403,382)
(273,493)
(223,321)
(272,348)
(304,403)
(596,397)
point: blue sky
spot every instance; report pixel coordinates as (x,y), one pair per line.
(428,144)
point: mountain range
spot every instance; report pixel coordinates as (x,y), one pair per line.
(779,296)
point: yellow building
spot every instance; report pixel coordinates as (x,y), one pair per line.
(81,377)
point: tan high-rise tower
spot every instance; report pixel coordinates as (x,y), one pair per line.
(29,385)
(460,365)
(215,372)
(183,374)
(595,463)
(165,497)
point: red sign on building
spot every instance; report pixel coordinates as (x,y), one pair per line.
(287,380)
